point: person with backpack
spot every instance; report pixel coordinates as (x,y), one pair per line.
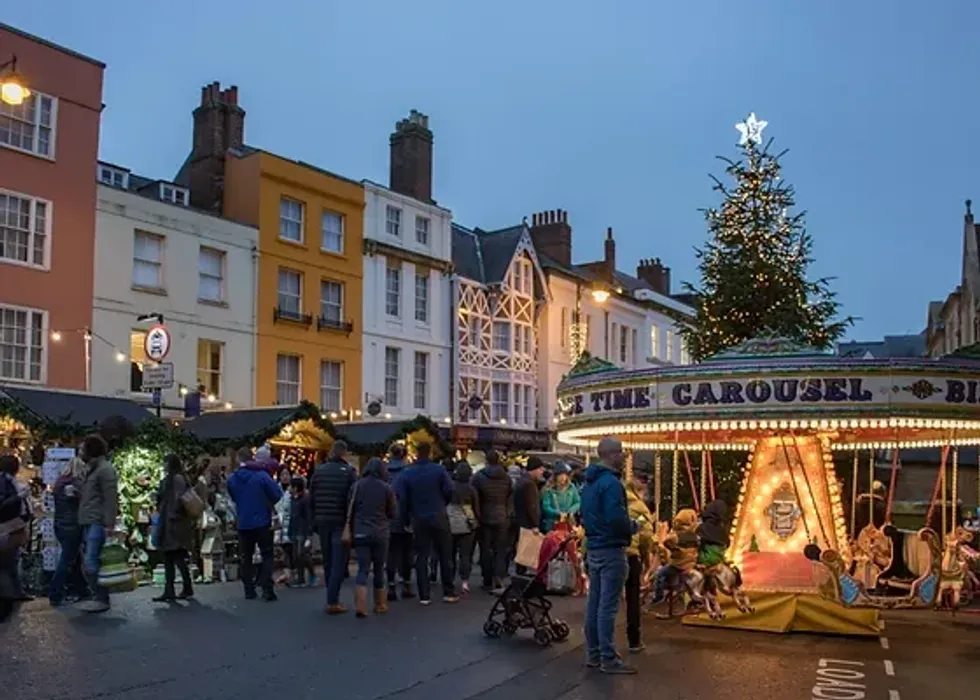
(462,523)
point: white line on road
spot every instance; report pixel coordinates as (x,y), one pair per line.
(893,695)
(881,625)
(884,643)
(889,668)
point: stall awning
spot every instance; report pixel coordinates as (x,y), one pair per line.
(239,423)
(71,408)
(374,436)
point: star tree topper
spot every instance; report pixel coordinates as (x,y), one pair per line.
(751,130)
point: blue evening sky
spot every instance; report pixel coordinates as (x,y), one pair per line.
(614,111)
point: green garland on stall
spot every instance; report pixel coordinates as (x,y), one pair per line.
(44,429)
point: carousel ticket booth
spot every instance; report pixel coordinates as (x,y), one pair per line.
(789,408)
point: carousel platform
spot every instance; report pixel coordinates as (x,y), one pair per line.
(782,613)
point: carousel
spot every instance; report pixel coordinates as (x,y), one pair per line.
(795,561)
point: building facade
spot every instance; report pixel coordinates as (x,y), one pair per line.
(408,310)
(154,254)
(500,291)
(310,264)
(955,322)
(48,147)
(630,321)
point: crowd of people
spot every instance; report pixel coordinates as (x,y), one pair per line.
(408,525)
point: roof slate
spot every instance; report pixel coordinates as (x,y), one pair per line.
(484,256)
(71,407)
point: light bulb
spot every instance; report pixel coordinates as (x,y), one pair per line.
(56,336)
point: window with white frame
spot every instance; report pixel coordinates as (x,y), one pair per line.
(523,280)
(209,356)
(289,369)
(624,340)
(529,418)
(528,331)
(518,335)
(422,296)
(173,194)
(332,232)
(211,275)
(393,288)
(421,380)
(22,344)
(113,176)
(392,360)
(655,342)
(393,221)
(685,353)
(499,401)
(331,387)
(291,219)
(501,336)
(422,230)
(30,126)
(332,302)
(148,260)
(669,348)
(290,300)
(25,228)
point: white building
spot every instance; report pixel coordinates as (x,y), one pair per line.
(407,309)
(500,292)
(153,254)
(630,321)
(407,314)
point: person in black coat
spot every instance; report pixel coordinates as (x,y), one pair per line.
(493,492)
(462,523)
(527,500)
(300,531)
(330,492)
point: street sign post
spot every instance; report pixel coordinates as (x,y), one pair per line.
(159,376)
(157,343)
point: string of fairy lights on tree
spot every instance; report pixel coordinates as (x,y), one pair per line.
(754,265)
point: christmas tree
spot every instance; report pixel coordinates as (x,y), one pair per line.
(754,265)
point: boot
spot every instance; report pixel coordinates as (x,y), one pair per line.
(407,590)
(186,592)
(380,601)
(360,601)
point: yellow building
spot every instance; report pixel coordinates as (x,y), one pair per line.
(310,277)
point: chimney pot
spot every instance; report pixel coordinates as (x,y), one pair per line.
(609,233)
(410,166)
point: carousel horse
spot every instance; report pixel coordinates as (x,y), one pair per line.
(955,568)
(840,586)
(872,556)
(724,578)
(690,583)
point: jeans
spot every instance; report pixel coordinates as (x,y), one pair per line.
(494,544)
(607,574)
(372,553)
(633,600)
(70,540)
(173,560)
(335,557)
(462,556)
(248,540)
(433,535)
(400,557)
(94,538)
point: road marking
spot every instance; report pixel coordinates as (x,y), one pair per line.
(881,625)
(893,695)
(884,643)
(836,682)
(889,668)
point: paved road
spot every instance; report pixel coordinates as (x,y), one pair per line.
(225,647)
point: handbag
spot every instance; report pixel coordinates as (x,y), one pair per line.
(192,503)
(345,535)
(528,548)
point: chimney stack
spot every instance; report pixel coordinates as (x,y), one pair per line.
(219,124)
(410,170)
(610,257)
(655,274)
(552,236)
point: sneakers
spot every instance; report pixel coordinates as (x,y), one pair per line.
(424,601)
(466,587)
(616,667)
(636,649)
(450,599)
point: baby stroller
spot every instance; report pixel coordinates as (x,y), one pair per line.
(524,605)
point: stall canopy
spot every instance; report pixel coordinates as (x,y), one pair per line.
(65,414)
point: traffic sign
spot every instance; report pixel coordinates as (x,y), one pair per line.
(158,376)
(157,343)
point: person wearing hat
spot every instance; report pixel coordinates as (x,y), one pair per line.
(527,497)
(559,499)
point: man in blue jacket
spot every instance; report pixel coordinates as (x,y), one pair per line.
(255,494)
(608,531)
(424,490)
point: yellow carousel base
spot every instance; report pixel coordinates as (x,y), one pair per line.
(794,612)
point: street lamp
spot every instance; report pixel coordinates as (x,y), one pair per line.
(600,296)
(13,89)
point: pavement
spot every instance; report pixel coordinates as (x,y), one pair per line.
(222,646)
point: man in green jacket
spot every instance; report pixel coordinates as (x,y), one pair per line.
(98,509)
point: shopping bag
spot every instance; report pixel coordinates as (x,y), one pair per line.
(528,548)
(561,577)
(114,572)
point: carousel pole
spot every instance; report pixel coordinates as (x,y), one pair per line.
(954,498)
(854,494)
(871,487)
(942,496)
(704,479)
(674,482)
(628,467)
(657,473)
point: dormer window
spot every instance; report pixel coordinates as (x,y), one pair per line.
(173,194)
(115,177)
